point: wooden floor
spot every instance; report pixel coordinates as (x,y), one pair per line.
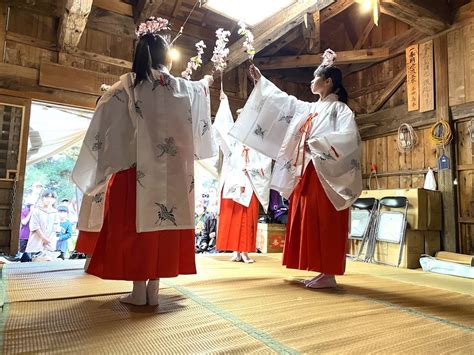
(237,308)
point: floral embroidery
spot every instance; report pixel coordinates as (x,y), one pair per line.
(287,119)
(232,189)
(205,127)
(97,144)
(140,176)
(168,147)
(288,166)
(138,110)
(98,197)
(116,95)
(165,214)
(260,132)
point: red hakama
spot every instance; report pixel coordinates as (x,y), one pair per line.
(316,233)
(120,253)
(237,227)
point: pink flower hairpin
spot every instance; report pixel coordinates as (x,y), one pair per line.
(329,57)
(152,26)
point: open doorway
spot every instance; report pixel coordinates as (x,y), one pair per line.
(55,137)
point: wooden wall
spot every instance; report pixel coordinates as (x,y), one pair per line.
(399,170)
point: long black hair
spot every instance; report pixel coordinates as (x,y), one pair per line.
(330,71)
(151,52)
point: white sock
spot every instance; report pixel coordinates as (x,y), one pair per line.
(152,290)
(138,295)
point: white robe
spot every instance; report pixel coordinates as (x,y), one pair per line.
(160,127)
(273,123)
(244,170)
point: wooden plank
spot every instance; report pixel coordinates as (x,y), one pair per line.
(100,58)
(312,32)
(421,14)
(465,144)
(426,77)
(31,41)
(393,157)
(457,94)
(3,27)
(365,34)
(73,22)
(445,177)
(313,60)
(468,38)
(243,83)
(144,9)
(271,30)
(116,6)
(412,72)
(59,77)
(388,91)
(43,7)
(382,160)
(335,9)
(275,47)
(462,111)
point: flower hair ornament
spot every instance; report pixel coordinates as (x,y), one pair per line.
(153,26)
(329,57)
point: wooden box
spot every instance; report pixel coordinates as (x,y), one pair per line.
(416,244)
(271,237)
(424,206)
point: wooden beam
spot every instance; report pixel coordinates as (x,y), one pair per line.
(271,30)
(143,9)
(42,7)
(73,22)
(385,122)
(350,29)
(3,28)
(344,57)
(31,41)
(103,20)
(176,8)
(335,9)
(445,176)
(389,90)
(276,46)
(312,32)
(428,16)
(116,6)
(100,58)
(365,34)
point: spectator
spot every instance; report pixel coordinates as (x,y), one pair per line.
(65,232)
(25,226)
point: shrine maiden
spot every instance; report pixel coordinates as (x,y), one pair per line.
(136,167)
(244,182)
(316,147)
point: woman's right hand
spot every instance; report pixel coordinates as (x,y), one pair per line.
(255,73)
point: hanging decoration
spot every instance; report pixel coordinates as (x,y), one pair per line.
(221,51)
(195,62)
(248,36)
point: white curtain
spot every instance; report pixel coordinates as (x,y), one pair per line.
(54,129)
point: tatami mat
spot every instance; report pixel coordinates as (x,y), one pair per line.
(232,308)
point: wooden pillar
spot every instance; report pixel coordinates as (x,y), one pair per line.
(445,177)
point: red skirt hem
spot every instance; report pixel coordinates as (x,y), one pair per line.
(316,233)
(237,227)
(120,253)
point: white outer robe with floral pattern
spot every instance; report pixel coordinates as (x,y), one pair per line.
(243,171)
(272,122)
(160,127)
